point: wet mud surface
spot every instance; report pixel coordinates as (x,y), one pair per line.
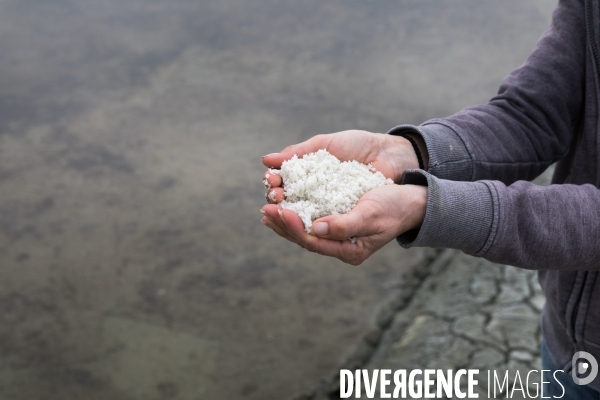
(133,261)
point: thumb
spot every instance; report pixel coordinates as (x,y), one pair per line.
(312,145)
(342,227)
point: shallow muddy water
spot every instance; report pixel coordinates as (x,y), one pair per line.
(133,261)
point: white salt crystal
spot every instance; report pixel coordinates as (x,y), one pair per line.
(319,184)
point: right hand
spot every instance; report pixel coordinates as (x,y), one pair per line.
(390,155)
(379,216)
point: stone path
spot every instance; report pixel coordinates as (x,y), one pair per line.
(469,314)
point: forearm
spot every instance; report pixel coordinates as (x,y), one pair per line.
(529,226)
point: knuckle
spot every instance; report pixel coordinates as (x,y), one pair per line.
(293,148)
(310,247)
(270,196)
(316,248)
(321,251)
(371,213)
(339,229)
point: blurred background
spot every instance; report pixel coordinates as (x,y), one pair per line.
(133,264)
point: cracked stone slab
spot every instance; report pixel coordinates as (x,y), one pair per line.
(469,314)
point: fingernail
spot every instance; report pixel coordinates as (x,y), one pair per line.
(269,224)
(320,228)
(281,216)
(269,155)
(263,211)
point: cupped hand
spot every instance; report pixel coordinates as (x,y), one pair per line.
(379,216)
(390,155)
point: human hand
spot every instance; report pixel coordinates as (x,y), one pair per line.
(390,155)
(380,215)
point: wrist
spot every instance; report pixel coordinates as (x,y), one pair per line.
(410,203)
(412,137)
(400,153)
(418,206)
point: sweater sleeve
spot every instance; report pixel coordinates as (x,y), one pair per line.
(525,225)
(528,125)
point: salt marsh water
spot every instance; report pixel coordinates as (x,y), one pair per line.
(133,264)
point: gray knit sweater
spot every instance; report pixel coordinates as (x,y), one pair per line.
(481,158)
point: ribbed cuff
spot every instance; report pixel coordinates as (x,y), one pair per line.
(459,215)
(449,157)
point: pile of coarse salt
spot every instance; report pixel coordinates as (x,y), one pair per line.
(319,184)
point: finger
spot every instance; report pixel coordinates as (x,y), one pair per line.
(275,195)
(313,144)
(346,251)
(270,211)
(272,180)
(360,221)
(268,223)
(292,222)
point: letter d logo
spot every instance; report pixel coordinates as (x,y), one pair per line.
(582,367)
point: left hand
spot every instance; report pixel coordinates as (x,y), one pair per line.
(380,215)
(388,154)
